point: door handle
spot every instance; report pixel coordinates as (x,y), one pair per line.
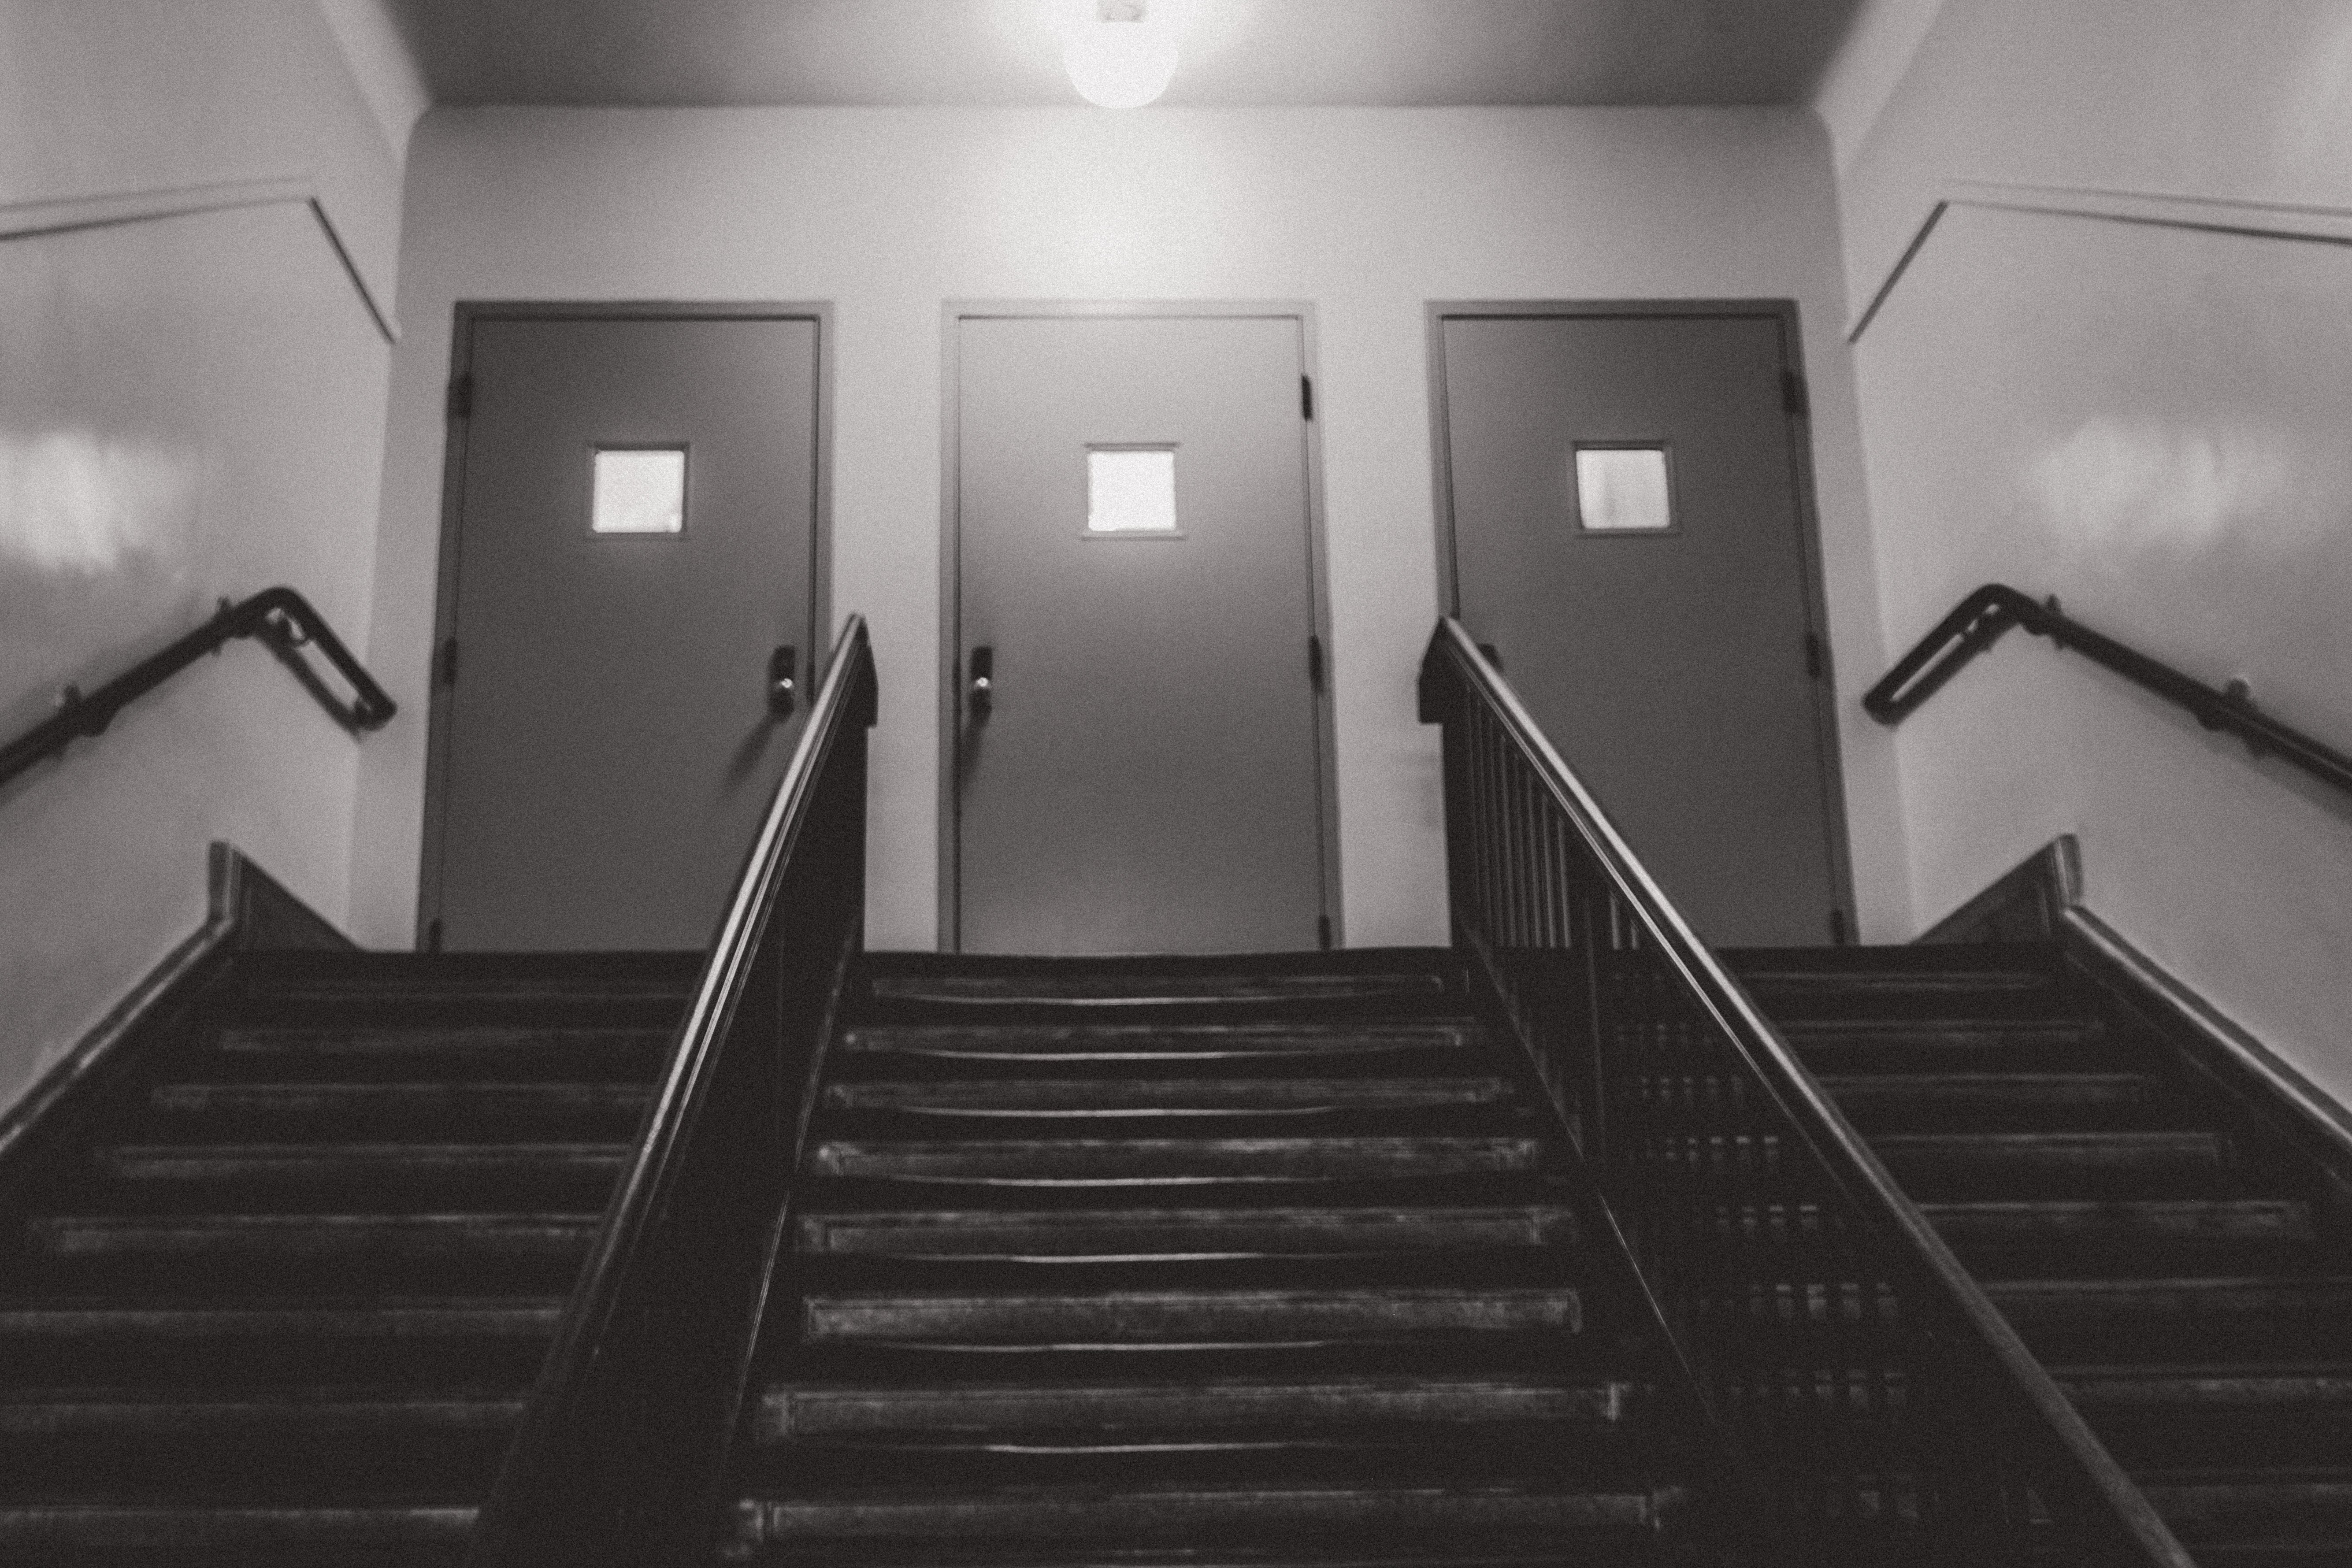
(784,681)
(983,681)
(1494,655)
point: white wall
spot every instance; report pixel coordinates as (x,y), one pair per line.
(888,212)
(1869,65)
(191,405)
(2147,419)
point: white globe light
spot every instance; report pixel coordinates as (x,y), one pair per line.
(1120,65)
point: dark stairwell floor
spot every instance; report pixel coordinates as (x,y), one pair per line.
(1274,1261)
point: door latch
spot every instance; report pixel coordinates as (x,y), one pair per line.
(983,681)
(784,681)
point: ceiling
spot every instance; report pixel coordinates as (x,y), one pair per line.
(1394,52)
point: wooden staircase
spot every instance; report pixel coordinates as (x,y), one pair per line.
(2186,1278)
(278,1294)
(1280,1261)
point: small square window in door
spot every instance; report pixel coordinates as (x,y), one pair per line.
(1624,490)
(638,489)
(1132,493)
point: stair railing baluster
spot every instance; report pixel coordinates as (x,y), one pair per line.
(1872,1401)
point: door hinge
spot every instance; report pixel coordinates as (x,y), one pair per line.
(1837,927)
(1315,662)
(433,935)
(1306,397)
(444,665)
(1795,398)
(1817,662)
(461,397)
(1323,931)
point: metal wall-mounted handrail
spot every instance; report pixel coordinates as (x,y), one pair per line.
(286,623)
(1977,622)
(1712,1140)
(622,1445)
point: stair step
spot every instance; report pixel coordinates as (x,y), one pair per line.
(1043,1162)
(2256,1508)
(1085,1097)
(2190,1296)
(1076,1234)
(1886,1046)
(332,1162)
(1187,1515)
(2261,1412)
(2139,1164)
(2323,1388)
(1867,1098)
(1791,974)
(1231,987)
(1147,1043)
(2153,1220)
(1188,1317)
(196,1346)
(1142,1412)
(468,980)
(458,1051)
(291,1414)
(153,1536)
(368,1107)
(379,1238)
(433,1317)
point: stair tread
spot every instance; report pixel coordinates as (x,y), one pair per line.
(1188,1317)
(1147,1043)
(1078,1098)
(1237,986)
(406,1152)
(64,1412)
(800,1411)
(1137,1233)
(207,1095)
(211,1314)
(1166,1161)
(2279,1218)
(1125,1514)
(2260,1383)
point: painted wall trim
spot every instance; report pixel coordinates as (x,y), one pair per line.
(27,220)
(245,909)
(2209,215)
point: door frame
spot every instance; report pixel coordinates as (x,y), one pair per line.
(452,490)
(952,316)
(1798,415)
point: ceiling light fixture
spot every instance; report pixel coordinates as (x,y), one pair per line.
(1119,57)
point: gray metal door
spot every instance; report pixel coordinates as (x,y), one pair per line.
(1142,774)
(608,740)
(1630,530)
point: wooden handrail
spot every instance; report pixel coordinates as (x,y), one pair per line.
(283,619)
(622,1444)
(1455,665)
(1977,622)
